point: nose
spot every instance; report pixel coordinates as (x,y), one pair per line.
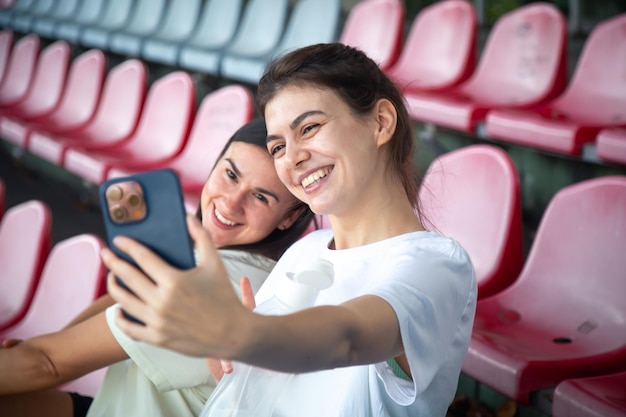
(234,201)
(295,154)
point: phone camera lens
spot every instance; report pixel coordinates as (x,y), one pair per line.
(118,213)
(134,200)
(114,193)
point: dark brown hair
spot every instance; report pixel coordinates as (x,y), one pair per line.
(360,83)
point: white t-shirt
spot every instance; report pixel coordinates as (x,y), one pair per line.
(158,382)
(429,282)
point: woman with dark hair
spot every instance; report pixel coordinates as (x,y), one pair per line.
(252,218)
(389,336)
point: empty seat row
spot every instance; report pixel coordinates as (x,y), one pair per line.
(518,91)
(228,38)
(44,287)
(97,123)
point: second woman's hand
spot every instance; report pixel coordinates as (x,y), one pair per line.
(191,311)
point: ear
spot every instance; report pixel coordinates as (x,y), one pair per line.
(386,118)
(290,218)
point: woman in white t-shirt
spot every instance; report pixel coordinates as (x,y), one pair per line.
(389,336)
(251,217)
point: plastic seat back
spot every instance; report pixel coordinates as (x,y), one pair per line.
(165,119)
(472,194)
(145,17)
(19,73)
(6,45)
(72,278)
(120,105)
(220,114)
(596,93)
(87,14)
(18,6)
(377,28)
(115,16)
(611,145)
(261,27)
(179,21)
(440,50)
(523,62)
(217,24)
(48,82)
(22,22)
(82,92)
(25,239)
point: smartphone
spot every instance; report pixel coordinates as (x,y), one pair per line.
(148,207)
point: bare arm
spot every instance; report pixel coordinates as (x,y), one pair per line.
(196,315)
(49,360)
(96,307)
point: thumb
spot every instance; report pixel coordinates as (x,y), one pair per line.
(247,295)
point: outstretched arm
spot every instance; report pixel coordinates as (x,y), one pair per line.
(197,312)
(98,306)
(53,359)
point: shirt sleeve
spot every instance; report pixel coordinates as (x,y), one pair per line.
(167,369)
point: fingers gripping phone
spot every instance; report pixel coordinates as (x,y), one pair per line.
(148,207)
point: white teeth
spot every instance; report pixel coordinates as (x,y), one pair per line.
(223,219)
(314,177)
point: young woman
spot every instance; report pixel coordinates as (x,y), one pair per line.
(389,336)
(252,218)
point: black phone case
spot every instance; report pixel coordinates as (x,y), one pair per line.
(164,227)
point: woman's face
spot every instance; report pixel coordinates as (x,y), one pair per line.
(325,154)
(243,200)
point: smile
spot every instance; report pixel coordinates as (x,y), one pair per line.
(223,219)
(315,177)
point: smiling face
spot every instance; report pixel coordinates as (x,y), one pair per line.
(325,154)
(243,200)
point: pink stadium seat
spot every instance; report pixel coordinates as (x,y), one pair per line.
(25,240)
(611,145)
(377,28)
(522,65)
(595,98)
(161,133)
(440,50)
(564,315)
(73,277)
(473,195)
(19,72)
(76,106)
(116,117)
(600,396)
(220,114)
(6,44)
(45,91)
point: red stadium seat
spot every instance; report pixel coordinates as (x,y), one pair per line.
(44,93)
(440,50)
(564,315)
(19,72)
(522,65)
(76,106)
(161,133)
(220,114)
(594,99)
(611,145)
(117,114)
(25,240)
(6,44)
(600,396)
(377,28)
(471,183)
(72,278)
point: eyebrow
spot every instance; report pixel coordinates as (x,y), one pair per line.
(260,190)
(294,124)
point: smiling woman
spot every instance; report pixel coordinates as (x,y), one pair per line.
(253,219)
(388,338)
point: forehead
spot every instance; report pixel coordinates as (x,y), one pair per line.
(293,100)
